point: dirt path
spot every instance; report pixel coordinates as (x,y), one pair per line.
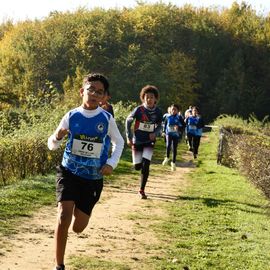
(112,233)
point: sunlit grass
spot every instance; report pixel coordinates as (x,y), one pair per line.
(87,263)
(22,199)
(220,222)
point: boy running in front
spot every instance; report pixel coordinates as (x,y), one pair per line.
(147,126)
(90,129)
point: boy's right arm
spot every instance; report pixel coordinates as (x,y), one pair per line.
(56,138)
(128,130)
(128,124)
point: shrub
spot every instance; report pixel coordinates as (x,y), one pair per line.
(246,146)
(121,111)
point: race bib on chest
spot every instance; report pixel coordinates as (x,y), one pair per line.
(173,128)
(147,127)
(86,148)
(192,127)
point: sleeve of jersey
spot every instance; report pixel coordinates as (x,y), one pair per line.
(200,123)
(53,143)
(128,124)
(165,125)
(117,144)
(159,124)
(182,121)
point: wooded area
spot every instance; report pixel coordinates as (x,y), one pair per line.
(218,60)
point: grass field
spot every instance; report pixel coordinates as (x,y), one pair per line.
(219,221)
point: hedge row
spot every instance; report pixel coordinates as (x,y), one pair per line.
(22,157)
(250,153)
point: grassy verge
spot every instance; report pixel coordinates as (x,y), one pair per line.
(86,263)
(22,199)
(220,222)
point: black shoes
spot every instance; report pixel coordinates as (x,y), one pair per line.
(143,196)
(60,267)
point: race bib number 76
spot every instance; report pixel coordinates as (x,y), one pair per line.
(86,148)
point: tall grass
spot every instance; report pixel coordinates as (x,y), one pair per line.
(238,125)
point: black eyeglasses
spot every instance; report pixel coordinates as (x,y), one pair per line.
(90,89)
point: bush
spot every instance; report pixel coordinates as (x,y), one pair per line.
(246,146)
(121,111)
(24,156)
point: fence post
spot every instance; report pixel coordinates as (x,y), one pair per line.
(220,145)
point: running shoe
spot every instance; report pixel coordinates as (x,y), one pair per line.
(165,161)
(60,267)
(143,196)
(173,166)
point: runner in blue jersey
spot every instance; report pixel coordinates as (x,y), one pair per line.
(186,115)
(90,129)
(147,126)
(194,124)
(173,129)
(164,117)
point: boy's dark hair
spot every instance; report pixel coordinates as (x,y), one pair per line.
(176,106)
(149,89)
(196,107)
(92,77)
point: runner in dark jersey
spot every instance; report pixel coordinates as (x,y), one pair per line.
(147,126)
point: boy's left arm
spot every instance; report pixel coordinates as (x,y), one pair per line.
(200,123)
(106,169)
(158,129)
(117,147)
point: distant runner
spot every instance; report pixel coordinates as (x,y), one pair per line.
(195,126)
(148,119)
(104,104)
(173,129)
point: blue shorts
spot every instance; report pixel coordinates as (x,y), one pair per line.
(85,193)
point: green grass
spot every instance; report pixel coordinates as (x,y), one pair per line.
(22,199)
(124,168)
(220,222)
(85,263)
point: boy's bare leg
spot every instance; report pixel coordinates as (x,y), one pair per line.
(80,220)
(64,217)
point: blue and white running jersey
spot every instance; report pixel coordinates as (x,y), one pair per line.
(88,144)
(174,123)
(194,125)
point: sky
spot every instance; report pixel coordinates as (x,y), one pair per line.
(18,10)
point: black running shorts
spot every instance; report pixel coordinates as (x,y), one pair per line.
(85,193)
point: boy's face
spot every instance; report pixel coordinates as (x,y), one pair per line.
(174,110)
(92,94)
(150,100)
(194,112)
(104,99)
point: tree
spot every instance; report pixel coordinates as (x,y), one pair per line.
(181,81)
